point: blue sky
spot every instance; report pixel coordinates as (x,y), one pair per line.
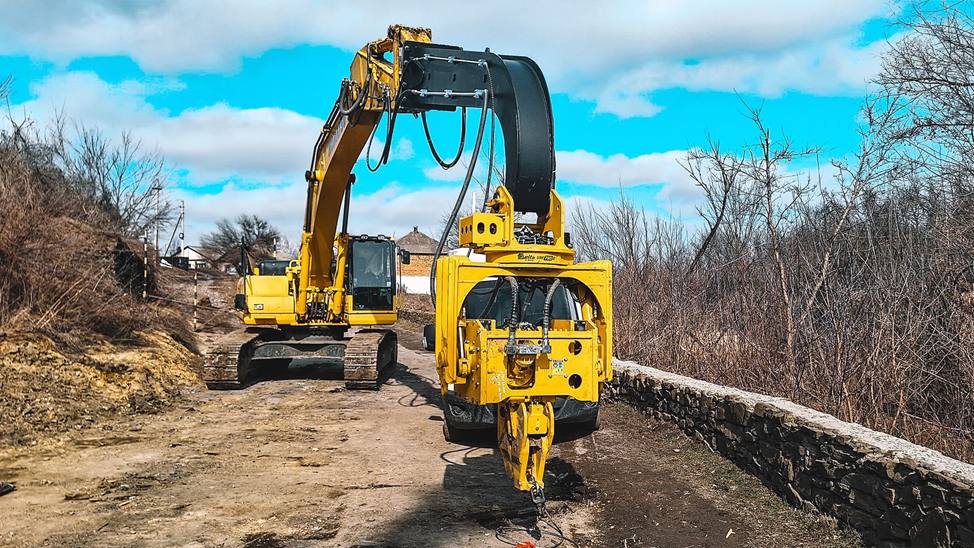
(233,94)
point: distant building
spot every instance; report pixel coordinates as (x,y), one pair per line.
(198,257)
(414,277)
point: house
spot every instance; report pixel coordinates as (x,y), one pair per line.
(198,257)
(414,277)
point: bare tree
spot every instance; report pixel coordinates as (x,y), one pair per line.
(120,178)
(929,73)
(844,289)
(716,174)
(70,202)
(5,84)
(252,232)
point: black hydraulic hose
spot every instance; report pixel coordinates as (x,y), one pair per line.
(346,89)
(513,321)
(314,154)
(491,299)
(490,163)
(341,110)
(463,137)
(343,97)
(391,114)
(460,197)
(368,152)
(546,314)
(490,153)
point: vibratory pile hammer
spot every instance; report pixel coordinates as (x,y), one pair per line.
(544,331)
(525,327)
(529,324)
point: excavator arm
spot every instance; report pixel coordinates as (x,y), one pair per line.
(370,91)
(406,73)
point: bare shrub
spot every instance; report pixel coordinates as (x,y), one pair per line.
(849,289)
(254,233)
(848,294)
(70,208)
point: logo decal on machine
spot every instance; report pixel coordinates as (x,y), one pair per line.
(533,257)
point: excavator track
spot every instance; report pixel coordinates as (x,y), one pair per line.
(232,361)
(368,356)
(227,365)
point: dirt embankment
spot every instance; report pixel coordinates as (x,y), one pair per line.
(48,387)
(53,381)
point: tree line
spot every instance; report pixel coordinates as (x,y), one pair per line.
(849,287)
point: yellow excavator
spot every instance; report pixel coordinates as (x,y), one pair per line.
(523,327)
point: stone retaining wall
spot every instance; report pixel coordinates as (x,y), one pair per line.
(893,492)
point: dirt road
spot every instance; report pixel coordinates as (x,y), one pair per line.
(300,461)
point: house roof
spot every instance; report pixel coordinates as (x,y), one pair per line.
(417,243)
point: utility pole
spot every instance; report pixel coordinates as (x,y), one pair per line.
(182,228)
(196,297)
(145,264)
(157,187)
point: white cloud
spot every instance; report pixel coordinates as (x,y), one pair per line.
(282,205)
(613,171)
(391,210)
(834,67)
(457,172)
(219,141)
(402,150)
(619,170)
(590,56)
(172,35)
(213,142)
(626,104)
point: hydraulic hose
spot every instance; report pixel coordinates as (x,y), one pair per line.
(546,314)
(391,114)
(513,321)
(346,88)
(490,152)
(463,137)
(460,197)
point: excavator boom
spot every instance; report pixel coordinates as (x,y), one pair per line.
(368,93)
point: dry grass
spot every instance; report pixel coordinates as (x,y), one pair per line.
(66,261)
(887,340)
(77,340)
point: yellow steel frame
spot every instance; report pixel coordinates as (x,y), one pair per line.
(471,354)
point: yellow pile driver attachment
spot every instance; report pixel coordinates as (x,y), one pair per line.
(529,324)
(542,331)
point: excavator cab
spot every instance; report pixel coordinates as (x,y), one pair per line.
(372,273)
